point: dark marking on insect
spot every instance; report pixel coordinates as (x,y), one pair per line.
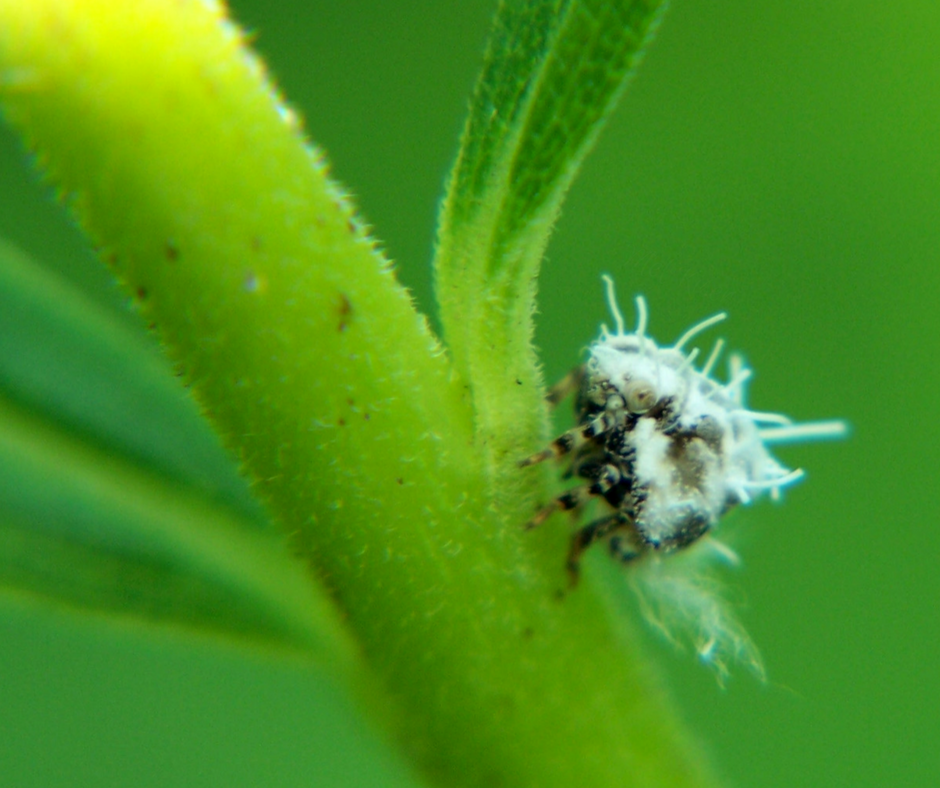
(667,447)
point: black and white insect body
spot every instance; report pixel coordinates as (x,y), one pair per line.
(670,450)
(667,446)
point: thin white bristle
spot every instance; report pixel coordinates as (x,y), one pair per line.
(688,360)
(738,380)
(698,328)
(762,417)
(641,317)
(706,650)
(612,304)
(813,430)
(773,484)
(724,552)
(713,358)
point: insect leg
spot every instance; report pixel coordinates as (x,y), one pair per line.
(573,439)
(602,477)
(590,533)
(565,502)
(570,382)
(625,548)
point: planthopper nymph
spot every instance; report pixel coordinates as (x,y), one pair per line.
(669,449)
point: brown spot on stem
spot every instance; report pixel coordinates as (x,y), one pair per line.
(171,251)
(345,312)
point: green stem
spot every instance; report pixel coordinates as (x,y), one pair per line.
(554,71)
(312,363)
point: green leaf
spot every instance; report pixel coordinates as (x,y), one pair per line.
(87,704)
(67,359)
(85,529)
(554,70)
(96,439)
(312,363)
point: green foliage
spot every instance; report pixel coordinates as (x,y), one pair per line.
(397,488)
(552,72)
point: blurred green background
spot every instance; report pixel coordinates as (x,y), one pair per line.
(779,161)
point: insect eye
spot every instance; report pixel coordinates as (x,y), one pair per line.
(640,396)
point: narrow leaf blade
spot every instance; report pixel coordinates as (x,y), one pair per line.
(89,531)
(554,72)
(65,358)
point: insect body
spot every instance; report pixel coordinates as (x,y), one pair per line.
(668,447)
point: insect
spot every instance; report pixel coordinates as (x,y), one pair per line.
(670,450)
(664,444)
